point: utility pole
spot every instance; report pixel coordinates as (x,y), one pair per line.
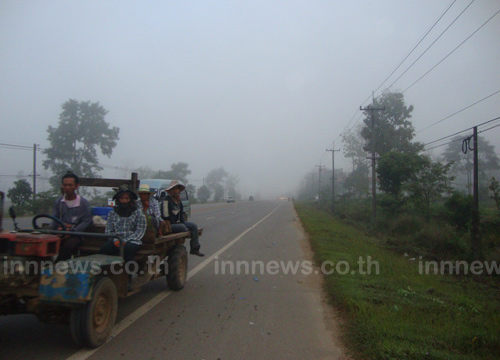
(34,173)
(371,109)
(333,176)
(312,184)
(319,181)
(475,216)
(475,235)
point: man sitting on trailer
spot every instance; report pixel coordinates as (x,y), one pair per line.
(74,211)
(173,211)
(150,208)
(128,221)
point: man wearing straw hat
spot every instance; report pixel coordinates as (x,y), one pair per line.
(173,211)
(151,210)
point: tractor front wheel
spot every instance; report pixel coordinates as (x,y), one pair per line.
(92,323)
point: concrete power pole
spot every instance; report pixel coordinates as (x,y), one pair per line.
(34,172)
(333,177)
(371,109)
(319,181)
(476,238)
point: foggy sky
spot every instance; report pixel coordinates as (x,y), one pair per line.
(260,88)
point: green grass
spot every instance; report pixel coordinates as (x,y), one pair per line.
(399,313)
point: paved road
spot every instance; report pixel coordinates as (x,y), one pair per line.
(220,314)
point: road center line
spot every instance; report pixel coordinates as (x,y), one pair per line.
(136,315)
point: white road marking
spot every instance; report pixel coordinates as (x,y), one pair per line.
(129,320)
(211,217)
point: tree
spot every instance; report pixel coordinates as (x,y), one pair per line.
(357,181)
(191,190)
(494,187)
(44,202)
(74,142)
(412,176)
(21,193)
(395,169)
(218,193)
(204,193)
(428,183)
(178,171)
(353,147)
(231,183)
(463,163)
(145,172)
(214,181)
(393,129)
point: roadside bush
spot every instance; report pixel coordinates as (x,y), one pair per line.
(360,211)
(442,241)
(491,236)
(390,204)
(383,224)
(406,225)
(459,210)
(45,202)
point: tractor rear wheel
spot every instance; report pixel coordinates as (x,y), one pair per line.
(177,268)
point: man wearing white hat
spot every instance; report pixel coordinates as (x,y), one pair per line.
(151,209)
(175,212)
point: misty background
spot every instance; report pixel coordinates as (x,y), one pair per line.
(260,88)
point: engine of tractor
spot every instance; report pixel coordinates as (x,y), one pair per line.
(23,255)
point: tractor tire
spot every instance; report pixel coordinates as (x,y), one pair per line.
(75,325)
(177,268)
(92,323)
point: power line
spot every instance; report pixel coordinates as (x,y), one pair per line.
(19,144)
(463,42)
(446,137)
(461,139)
(346,128)
(418,43)
(449,142)
(354,124)
(442,33)
(15,147)
(459,111)
(488,128)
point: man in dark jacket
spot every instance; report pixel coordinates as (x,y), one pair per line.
(74,211)
(175,214)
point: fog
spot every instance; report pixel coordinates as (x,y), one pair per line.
(260,88)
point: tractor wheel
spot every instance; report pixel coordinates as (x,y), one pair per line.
(92,323)
(75,325)
(177,268)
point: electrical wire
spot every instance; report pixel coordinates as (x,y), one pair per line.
(346,128)
(15,147)
(412,50)
(449,142)
(446,137)
(459,111)
(442,33)
(479,132)
(463,42)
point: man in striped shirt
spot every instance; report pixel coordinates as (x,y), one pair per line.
(128,221)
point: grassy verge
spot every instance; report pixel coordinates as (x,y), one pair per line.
(401,313)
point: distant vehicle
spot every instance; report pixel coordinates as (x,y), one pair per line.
(250,198)
(230,199)
(158,186)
